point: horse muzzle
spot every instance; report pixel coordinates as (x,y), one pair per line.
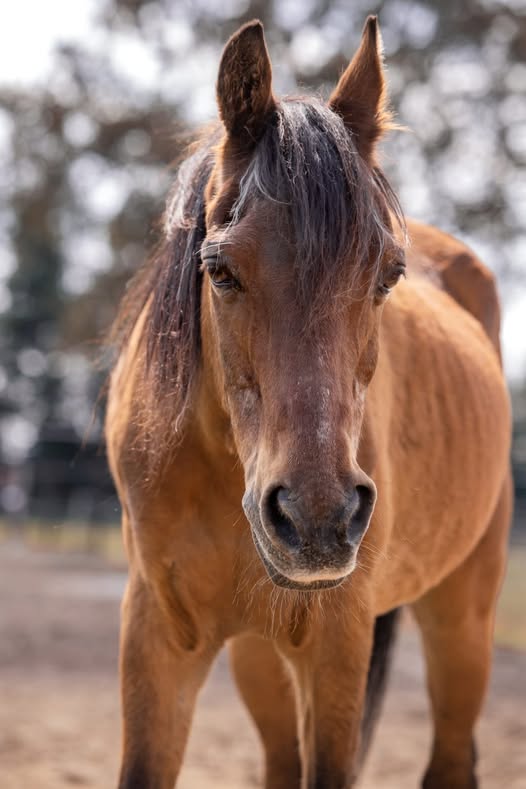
(309,540)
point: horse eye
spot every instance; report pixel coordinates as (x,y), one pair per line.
(221,276)
(385,287)
(384,290)
(223,279)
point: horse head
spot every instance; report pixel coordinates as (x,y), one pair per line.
(298,259)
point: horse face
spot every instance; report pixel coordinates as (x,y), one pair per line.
(293,386)
(292,334)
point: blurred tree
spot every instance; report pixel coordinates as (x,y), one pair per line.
(88,148)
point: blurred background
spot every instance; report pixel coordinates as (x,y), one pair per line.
(97,100)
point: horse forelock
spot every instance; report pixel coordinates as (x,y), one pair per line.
(333,209)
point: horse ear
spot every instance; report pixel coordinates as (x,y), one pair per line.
(244,84)
(360,96)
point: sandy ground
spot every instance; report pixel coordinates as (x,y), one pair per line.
(59,718)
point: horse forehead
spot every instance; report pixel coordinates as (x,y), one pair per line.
(257,240)
(262,244)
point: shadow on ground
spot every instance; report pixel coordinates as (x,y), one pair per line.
(59,719)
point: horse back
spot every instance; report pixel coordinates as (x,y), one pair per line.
(455,268)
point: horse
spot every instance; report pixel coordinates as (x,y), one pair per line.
(309,428)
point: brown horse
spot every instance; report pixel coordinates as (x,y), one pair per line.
(297,455)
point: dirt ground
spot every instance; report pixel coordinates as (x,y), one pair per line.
(59,718)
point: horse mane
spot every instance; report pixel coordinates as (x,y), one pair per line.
(335,206)
(166,293)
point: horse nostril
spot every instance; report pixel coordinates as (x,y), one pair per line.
(362,513)
(278,515)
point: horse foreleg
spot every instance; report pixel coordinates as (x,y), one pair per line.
(456,621)
(265,686)
(330,679)
(160,678)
